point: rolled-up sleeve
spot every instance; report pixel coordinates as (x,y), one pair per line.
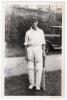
(26,39)
(43,38)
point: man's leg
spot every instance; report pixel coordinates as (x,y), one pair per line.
(39,69)
(31,73)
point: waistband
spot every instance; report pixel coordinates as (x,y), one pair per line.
(34,46)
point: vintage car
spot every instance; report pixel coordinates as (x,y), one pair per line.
(54,39)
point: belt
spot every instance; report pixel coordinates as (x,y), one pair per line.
(34,45)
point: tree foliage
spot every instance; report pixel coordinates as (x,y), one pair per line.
(20,21)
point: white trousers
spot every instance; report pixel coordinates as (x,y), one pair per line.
(35,72)
(35,65)
(34,53)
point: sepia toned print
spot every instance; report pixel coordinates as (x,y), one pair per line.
(33,50)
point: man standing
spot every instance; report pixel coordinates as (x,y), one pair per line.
(35,52)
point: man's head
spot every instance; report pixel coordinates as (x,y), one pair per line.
(34,23)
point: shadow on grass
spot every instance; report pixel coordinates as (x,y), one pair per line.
(18,85)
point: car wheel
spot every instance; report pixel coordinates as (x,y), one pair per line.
(47,48)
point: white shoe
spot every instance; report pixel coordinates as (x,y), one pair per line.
(31,86)
(37,87)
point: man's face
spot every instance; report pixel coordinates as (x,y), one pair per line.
(34,25)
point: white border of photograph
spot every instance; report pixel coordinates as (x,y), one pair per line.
(2,49)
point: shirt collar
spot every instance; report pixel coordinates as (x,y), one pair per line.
(36,29)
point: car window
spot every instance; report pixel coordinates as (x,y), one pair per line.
(56,30)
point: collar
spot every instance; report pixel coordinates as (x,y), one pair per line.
(34,30)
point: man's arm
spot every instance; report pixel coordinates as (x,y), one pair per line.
(44,55)
(26,44)
(26,55)
(43,44)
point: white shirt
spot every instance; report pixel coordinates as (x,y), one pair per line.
(34,37)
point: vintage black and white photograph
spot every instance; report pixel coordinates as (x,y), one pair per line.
(33,49)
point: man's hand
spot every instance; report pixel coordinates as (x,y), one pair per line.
(44,55)
(44,60)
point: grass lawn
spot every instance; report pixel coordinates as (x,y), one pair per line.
(16,51)
(18,85)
